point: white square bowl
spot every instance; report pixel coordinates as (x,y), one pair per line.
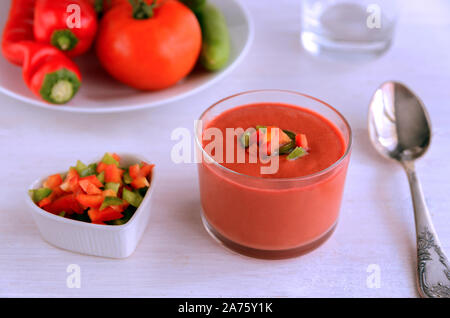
(114,241)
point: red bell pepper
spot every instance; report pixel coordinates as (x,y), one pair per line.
(139,173)
(53,181)
(107,214)
(94,180)
(89,187)
(301,141)
(113,174)
(146,169)
(69,25)
(46,71)
(90,201)
(67,203)
(70,183)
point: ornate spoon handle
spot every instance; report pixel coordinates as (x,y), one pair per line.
(433,270)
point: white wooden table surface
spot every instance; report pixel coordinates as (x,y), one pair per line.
(176,257)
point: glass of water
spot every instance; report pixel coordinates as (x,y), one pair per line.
(349,29)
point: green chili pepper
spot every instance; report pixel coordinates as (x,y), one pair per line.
(297,153)
(110,201)
(133,198)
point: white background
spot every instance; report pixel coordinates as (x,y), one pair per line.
(176,257)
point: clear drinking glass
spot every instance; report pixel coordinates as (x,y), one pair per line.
(271,218)
(348,29)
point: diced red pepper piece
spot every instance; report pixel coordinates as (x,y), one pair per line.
(134,171)
(94,180)
(101,167)
(53,181)
(90,201)
(119,208)
(89,187)
(146,169)
(113,174)
(265,138)
(44,202)
(70,183)
(107,214)
(109,193)
(140,182)
(67,203)
(283,138)
(301,141)
(116,156)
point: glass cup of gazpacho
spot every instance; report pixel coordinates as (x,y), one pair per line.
(272,167)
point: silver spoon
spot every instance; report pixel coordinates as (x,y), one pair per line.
(399,128)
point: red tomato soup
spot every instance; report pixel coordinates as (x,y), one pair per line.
(285,213)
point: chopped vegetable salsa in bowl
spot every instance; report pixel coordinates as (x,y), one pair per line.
(100,208)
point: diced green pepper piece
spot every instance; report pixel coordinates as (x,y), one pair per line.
(39,194)
(127,215)
(101,177)
(112,186)
(287,148)
(290,134)
(89,171)
(109,160)
(127,178)
(80,167)
(110,201)
(63,214)
(133,198)
(118,222)
(245,139)
(297,153)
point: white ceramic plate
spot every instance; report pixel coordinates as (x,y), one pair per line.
(102,94)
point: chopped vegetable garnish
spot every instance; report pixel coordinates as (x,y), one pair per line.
(101,177)
(245,139)
(40,194)
(288,142)
(291,134)
(100,193)
(112,186)
(108,201)
(297,153)
(132,198)
(301,141)
(80,167)
(110,160)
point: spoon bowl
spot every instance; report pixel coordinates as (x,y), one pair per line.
(399,125)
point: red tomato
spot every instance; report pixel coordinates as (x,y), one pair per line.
(151,53)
